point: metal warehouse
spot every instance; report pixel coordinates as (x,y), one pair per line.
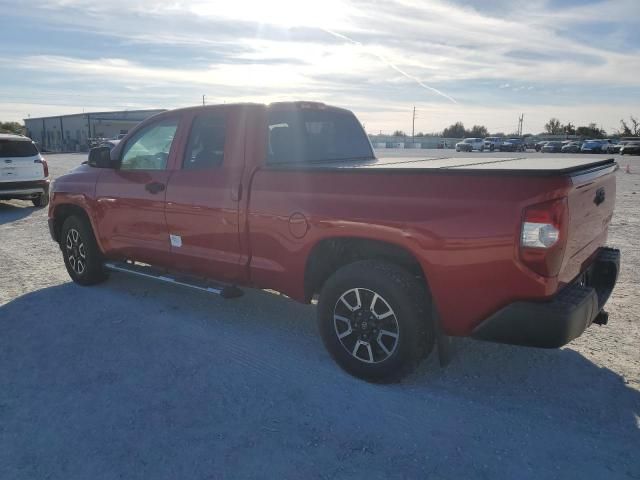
(71,133)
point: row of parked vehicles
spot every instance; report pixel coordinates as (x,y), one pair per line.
(491,144)
(503,144)
(624,147)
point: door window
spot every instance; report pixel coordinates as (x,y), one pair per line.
(206,142)
(149,148)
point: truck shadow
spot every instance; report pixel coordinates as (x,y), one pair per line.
(10,212)
(111,352)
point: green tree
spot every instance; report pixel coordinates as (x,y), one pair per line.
(12,127)
(569,129)
(478,131)
(591,131)
(399,133)
(553,127)
(454,131)
(632,131)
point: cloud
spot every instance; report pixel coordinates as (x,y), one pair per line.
(391,56)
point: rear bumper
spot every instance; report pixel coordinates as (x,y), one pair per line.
(556,322)
(30,189)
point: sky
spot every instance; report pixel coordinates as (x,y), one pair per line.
(479,62)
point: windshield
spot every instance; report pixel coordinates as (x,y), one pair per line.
(314,135)
(469,140)
(591,143)
(17,148)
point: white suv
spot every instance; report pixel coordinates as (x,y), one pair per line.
(24,174)
(470,144)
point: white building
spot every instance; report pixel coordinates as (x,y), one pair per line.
(70,133)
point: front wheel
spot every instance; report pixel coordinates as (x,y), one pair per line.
(81,253)
(374,319)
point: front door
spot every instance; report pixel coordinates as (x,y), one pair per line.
(131,198)
(203,197)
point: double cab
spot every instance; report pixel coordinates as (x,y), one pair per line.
(398,253)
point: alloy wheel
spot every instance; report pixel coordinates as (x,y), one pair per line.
(366,325)
(75,250)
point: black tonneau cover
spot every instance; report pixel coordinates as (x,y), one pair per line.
(486,165)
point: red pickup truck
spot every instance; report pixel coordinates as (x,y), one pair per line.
(398,252)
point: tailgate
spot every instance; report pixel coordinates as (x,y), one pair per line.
(591,202)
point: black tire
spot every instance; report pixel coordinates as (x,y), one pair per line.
(79,248)
(358,334)
(40,200)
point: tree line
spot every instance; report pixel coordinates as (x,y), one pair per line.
(627,129)
(12,127)
(554,126)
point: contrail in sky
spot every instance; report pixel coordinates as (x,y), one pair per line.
(389,64)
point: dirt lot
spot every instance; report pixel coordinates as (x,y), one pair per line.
(134,379)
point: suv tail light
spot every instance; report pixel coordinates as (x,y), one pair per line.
(45,166)
(543,236)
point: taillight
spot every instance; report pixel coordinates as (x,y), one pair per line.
(543,236)
(45,166)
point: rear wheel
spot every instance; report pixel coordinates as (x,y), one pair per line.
(82,257)
(41,200)
(374,319)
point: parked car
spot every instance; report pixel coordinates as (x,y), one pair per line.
(571,147)
(24,173)
(552,147)
(539,145)
(492,143)
(630,148)
(593,146)
(246,195)
(512,145)
(615,147)
(470,144)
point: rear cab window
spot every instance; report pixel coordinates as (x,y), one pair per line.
(17,148)
(205,148)
(311,135)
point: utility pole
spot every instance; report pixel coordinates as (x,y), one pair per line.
(413,125)
(203,100)
(520,122)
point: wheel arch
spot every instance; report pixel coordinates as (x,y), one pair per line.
(65,210)
(330,254)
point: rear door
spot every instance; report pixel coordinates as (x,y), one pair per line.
(131,198)
(204,195)
(19,161)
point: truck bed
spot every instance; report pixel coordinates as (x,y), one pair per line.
(488,165)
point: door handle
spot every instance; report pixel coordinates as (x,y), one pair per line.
(154,187)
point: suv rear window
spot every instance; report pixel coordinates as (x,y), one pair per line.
(312,135)
(17,148)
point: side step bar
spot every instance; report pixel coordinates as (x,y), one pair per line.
(146,271)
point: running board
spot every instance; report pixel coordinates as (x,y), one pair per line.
(146,271)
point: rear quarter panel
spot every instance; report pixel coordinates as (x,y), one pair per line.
(462,228)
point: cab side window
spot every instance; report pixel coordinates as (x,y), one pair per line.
(206,142)
(149,148)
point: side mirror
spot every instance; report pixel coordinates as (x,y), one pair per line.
(100,157)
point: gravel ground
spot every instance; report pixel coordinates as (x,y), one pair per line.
(134,379)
